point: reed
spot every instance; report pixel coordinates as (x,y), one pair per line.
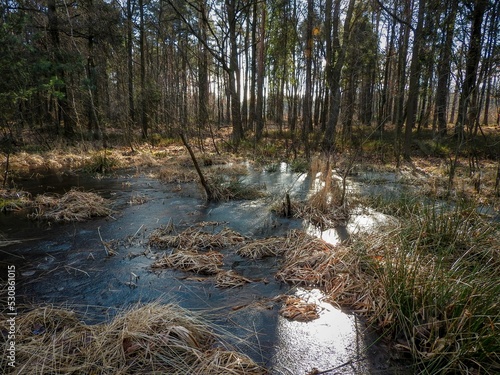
(145,339)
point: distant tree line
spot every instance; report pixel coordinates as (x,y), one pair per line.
(84,67)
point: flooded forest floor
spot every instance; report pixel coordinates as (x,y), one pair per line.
(340,265)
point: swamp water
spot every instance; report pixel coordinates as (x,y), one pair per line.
(67,265)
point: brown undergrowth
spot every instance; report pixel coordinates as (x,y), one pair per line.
(152,339)
(74,205)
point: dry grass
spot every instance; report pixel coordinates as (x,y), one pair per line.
(262,248)
(321,216)
(4,243)
(339,270)
(75,205)
(224,190)
(173,172)
(137,199)
(297,309)
(306,258)
(219,361)
(195,237)
(230,279)
(192,261)
(149,339)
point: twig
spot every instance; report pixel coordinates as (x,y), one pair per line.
(109,251)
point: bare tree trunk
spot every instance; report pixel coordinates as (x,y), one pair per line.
(334,70)
(63,109)
(307,103)
(465,103)
(444,70)
(260,74)
(234,73)
(130,67)
(144,100)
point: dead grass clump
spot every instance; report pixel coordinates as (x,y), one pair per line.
(137,199)
(154,338)
(262,248)
(219,361)
(223,190)
(315,269)
(161,238)
(50,340)
(75,205)
(13,200)
(176,173)
(298,243)
(195,238)
(344,274)
(322,217)
(193,261)
(326,206)
(230,279)
(297,309)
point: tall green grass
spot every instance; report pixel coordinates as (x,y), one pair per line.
(441,282)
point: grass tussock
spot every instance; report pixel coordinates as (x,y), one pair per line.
(266,247)
(225,190)
(152,339)
(230,279)
(195,237)
(192,261)
(437,287)
(75,205)
(444,290)
(306,260)
(194,249)
(430,282)
(175,173)
(326,205)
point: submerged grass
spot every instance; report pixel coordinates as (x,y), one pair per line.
(147,339)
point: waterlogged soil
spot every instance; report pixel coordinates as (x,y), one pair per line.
(67,265)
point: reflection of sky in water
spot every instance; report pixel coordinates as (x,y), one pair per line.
(324,343)
(361,221)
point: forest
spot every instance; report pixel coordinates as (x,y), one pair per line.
(315,69)
(181,179)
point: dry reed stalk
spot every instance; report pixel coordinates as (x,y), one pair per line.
(297,309)
(149,339)
(203,263)
(195,238)
(230,279)
(262,248)
(219,361)
(73,206)
(4,243)
(137,199)
(307,260)
(327,217)
(344,275)
(177,174)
